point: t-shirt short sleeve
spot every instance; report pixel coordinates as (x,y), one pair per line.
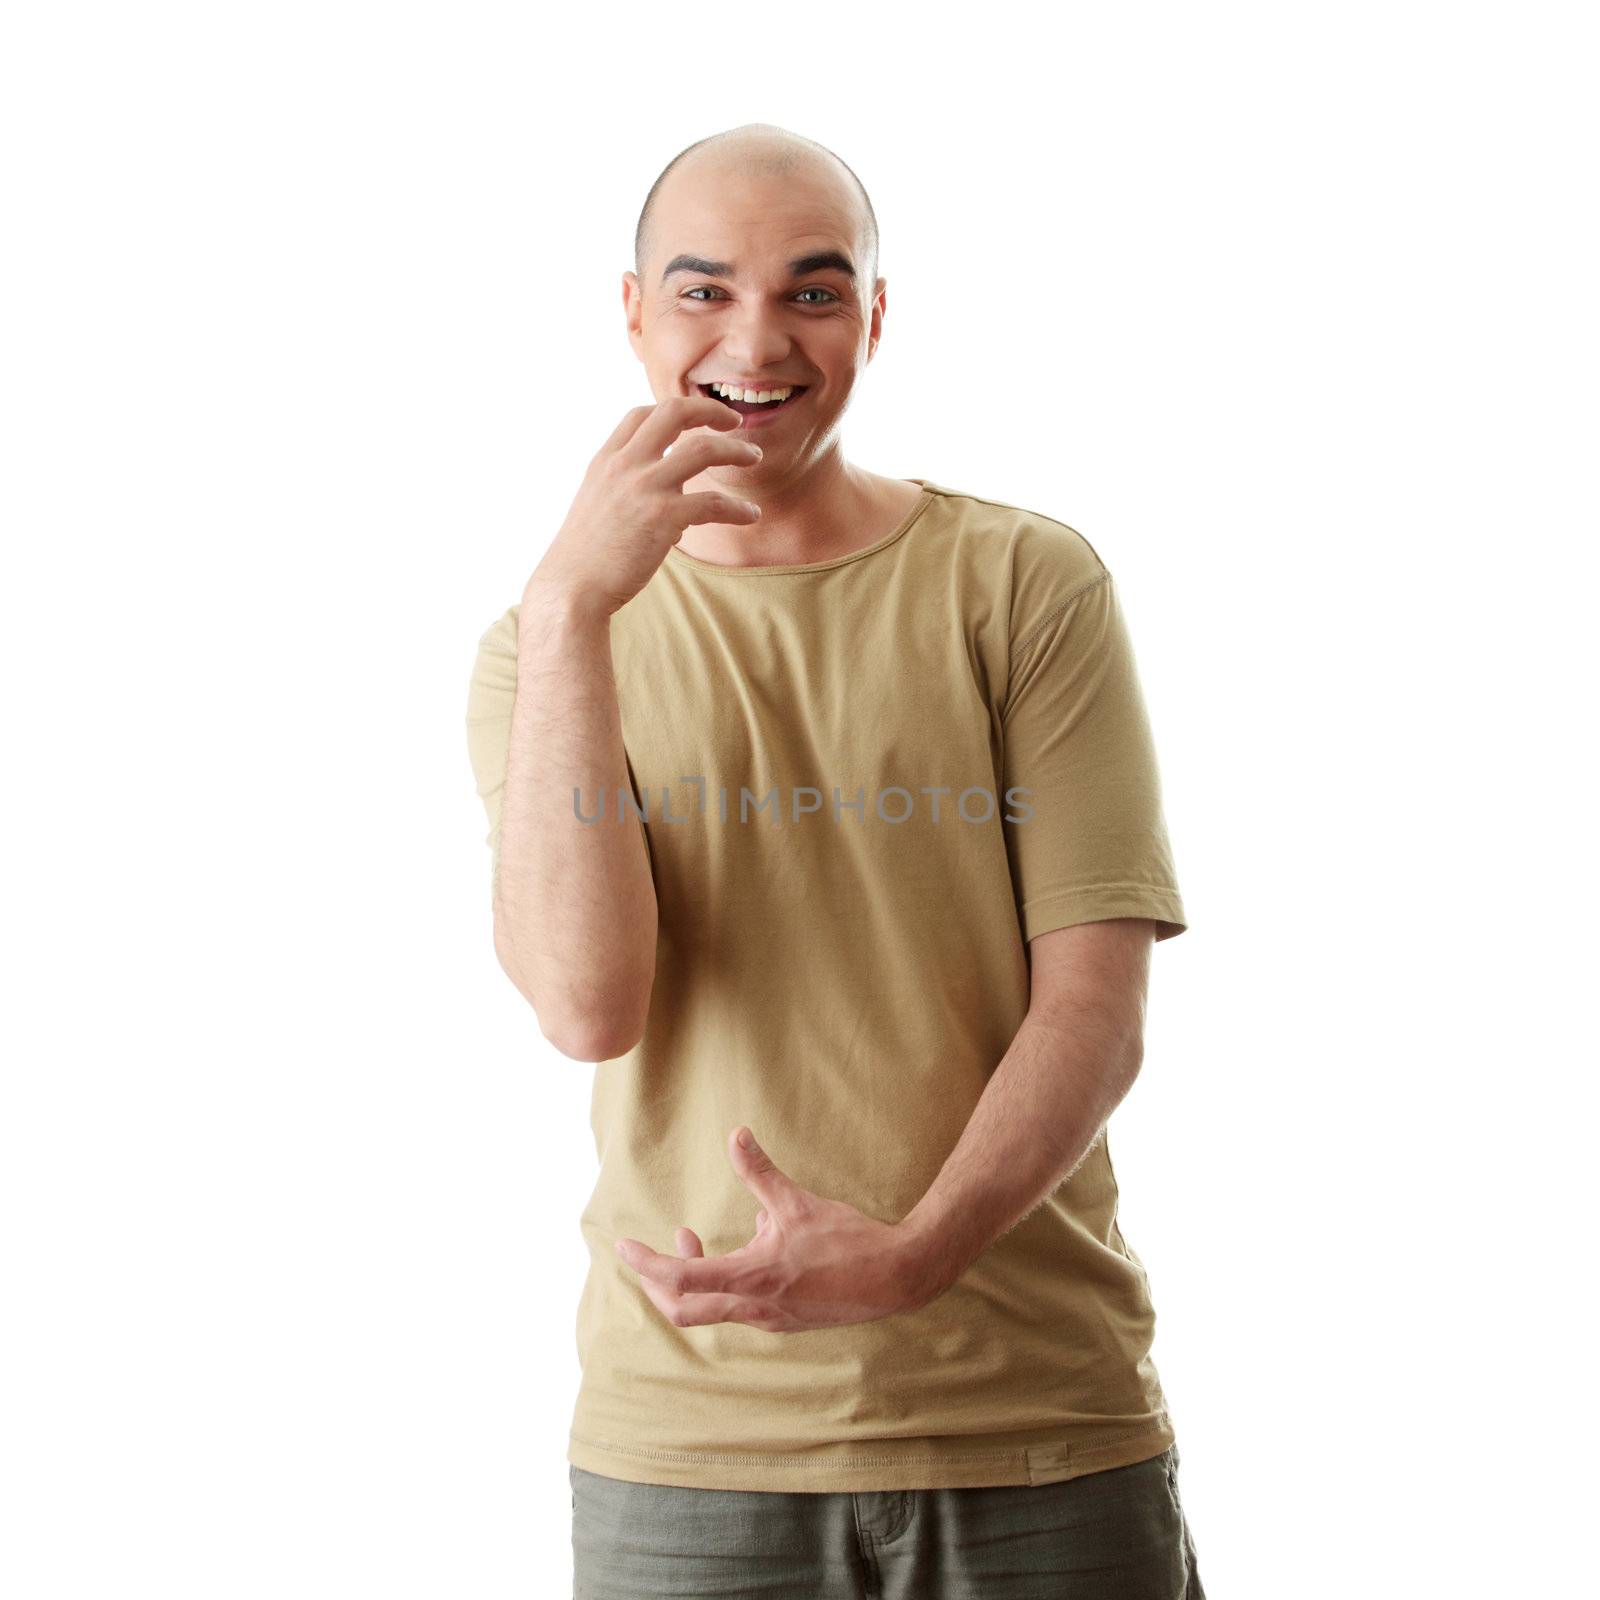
(1092,842)
(490,696)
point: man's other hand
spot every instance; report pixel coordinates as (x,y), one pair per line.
(813,1263)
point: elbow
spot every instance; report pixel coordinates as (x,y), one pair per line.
(603,1034)
(1135,1057)
(599,1026)
(599,1031)
(593,1039)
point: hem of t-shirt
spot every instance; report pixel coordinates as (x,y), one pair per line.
(891,1464)
(1065,910)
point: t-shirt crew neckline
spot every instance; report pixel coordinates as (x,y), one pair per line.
(815,566)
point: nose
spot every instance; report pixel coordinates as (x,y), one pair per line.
(754,338)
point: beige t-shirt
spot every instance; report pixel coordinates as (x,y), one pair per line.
(866,782)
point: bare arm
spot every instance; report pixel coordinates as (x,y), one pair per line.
(575,912)
(574,903)
(1071,1063)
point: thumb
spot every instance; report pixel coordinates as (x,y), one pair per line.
(758,1171)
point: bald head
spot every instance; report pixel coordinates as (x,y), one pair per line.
(760,150)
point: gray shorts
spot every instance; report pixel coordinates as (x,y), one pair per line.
(1118,1533)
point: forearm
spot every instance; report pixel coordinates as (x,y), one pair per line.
(575,906)
(1038,1117)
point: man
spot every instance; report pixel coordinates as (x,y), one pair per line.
(825,818)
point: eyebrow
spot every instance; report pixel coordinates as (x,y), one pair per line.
(802,266)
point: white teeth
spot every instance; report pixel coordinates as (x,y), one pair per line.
(748,395)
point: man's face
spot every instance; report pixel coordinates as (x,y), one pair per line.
(721,301)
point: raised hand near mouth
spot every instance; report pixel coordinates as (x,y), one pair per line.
(632,506)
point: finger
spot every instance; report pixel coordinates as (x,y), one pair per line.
(688,1242)
(696,1310)
(695,455)
(716,505)
(631,423)
(673,416)
(761,1174)
(699,1275)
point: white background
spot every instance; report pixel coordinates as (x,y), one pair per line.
(312,318)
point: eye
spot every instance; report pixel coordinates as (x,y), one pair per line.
(829,297)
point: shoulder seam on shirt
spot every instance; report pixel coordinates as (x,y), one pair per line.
(1039,627)
(1027,511)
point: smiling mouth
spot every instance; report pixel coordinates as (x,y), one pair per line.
(747,408)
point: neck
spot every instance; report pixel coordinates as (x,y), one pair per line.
(827,509)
